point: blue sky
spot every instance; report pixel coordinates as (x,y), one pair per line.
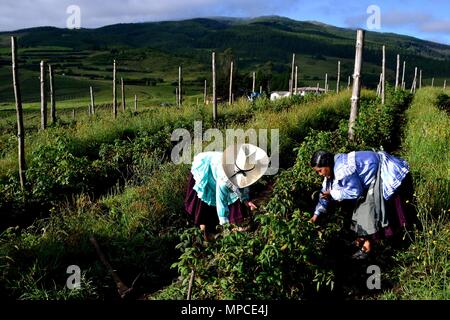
(428,20)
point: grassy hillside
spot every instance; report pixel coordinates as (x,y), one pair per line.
(148,56)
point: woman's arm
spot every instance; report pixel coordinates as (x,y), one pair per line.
(245,198)
(349,187)
(223,212)
(323,203)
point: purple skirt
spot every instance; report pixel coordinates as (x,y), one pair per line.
(206,214)
(401,213)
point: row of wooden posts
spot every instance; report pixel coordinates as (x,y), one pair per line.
(179,90)
(293,81)
(122,86)
(91,107)
(43,104)
(402,84)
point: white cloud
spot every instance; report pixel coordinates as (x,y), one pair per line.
(440,26)
(418,23)
(399,18)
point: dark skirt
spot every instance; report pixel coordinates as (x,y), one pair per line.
(206,214)
(401,213)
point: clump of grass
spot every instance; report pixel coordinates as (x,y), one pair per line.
(424,267)
(137,229)
(427,149)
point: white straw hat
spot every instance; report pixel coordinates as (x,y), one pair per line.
(244,164)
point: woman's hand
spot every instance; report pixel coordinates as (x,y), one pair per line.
(325,195)
(251,205)
(313,219)
(241,229)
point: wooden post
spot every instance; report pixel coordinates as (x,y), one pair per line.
(180,90)
(73,114)
(231,84)
(52,95)
(317,89)
(356,82)
(19,113)
(176,96)
(114,91)
(191,283)
(292,74)
(260,89)
(204,94)
(122,288)
(135,103)
(214,87)
(43,98)
(348,84)
(413,86)
(445,84)
(397,73)
(338,77)
(296,79)
(420,79)
(254,81)
(123,93)
(92,111)
(326,82)
(432,82)
(403,76)
(379,85)
(384,76)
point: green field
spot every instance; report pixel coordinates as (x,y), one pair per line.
(113,179)
(148,56)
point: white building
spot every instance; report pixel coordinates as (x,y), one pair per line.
(274,95)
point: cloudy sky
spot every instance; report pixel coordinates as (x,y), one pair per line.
(428,19)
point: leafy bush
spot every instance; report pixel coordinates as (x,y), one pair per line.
(378,125)
(277,261)
(443,102)
(54,171)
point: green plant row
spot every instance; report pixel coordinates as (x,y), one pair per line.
(284,256)
(137,225)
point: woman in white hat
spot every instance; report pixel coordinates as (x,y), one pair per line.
(217,181)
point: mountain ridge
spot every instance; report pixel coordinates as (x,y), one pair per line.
(230,20)
(150,52)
